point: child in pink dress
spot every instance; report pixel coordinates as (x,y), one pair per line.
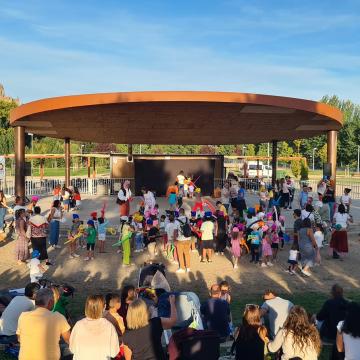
(266,249)
(236,236)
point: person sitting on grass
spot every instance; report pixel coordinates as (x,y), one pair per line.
(298,337)
(94,338)
(216,313)
(10,316)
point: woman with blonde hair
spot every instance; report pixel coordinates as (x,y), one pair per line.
(251,335)
(142,340)
(94,338)
(298,337)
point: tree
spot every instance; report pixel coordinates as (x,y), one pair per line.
(295,166)
(304,171)
(322,153)
(207,149)
(250,150)
(297,144)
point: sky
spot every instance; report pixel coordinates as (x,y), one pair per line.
(303,49)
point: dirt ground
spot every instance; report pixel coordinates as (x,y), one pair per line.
(105,273)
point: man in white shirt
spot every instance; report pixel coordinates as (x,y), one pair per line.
(183,241)
(19,304)
(276,309)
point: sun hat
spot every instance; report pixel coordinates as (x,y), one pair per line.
(75,216)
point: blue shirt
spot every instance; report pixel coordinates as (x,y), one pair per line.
(102,227)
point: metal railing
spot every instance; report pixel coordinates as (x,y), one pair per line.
(90,186)
(254,184)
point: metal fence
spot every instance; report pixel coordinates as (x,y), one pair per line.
(254,184)
(90,186)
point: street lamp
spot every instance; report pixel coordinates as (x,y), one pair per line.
(313,158)
(243,150)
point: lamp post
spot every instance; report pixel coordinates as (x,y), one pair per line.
(313,158)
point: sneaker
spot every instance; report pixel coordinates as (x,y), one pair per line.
(235,266)
(87,259)
(270,264)
(76,255)
(194,250)
(307,273)
(83,247)
(48,263)
(188,270)
(57,247)
(263,265)
(118,251)
(222,253)
(71,256)
(216,253)
(180,271)
(291,272)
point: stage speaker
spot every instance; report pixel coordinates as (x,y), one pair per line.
(327,169)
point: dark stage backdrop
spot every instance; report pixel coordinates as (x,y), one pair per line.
(157,175)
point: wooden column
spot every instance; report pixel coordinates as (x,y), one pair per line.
(274,162)
(19,133)
(67,162)
(332,153)
(94,168)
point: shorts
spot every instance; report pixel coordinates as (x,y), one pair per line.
(292,262)
(101,237)
(207,244)
(66,201)
(90,247)
(275,245)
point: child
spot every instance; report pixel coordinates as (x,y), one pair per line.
(255,241)
(93,216)
(319,238)
(266,249)
(90,240)
(162,225)
(236,236)
(36,270)
(138,226)
(191,188)
(263,197)
(77,198)
(275,240)
(125,242)
(346,199)
(102,225)
(225,291)
(73,235)
(198,202)
(152,234)
(195,224)
(293,259)
(112,307)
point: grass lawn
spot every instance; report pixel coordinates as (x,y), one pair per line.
(311,301)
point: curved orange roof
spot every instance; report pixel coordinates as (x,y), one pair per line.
(176,117)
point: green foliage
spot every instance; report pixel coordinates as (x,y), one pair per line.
(304,170)
(295,168)
(5,107)
(6,141)
(250,150)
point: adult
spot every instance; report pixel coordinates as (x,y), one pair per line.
(38,233)
(54,218)
(329,197)
(142,340)
(123,199)
(21,247)
(321,187)
(331,313)
(348,333)
(225,196)
(324,213)
(252,336)
(183,242)
(3,209)
(180,178)
(207,229)
(128,295)
(234,189)
(94,338)
(39,330)
(307,213)
(291,186)
(285,193)
(339,238)
(298,338)
(307,246)
(297,226)
(241,203)
(276,310)
(149,199)
(221,233)
(216,313)
(10,316)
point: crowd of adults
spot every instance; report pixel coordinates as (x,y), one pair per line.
(121,326)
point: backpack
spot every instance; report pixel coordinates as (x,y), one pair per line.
(185,228)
